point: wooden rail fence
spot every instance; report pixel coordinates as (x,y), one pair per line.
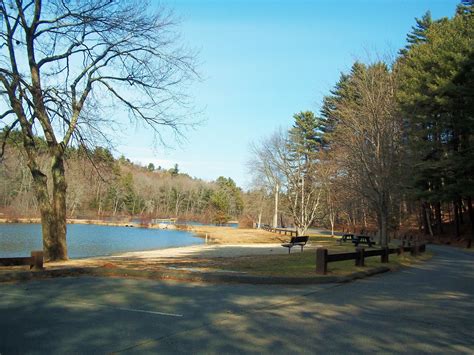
(280,230)
(323,258)
(408,240)
(35,261)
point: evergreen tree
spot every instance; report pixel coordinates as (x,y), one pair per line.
(306,135)
(226,200)
(418,32)
(304,143)
(436,96)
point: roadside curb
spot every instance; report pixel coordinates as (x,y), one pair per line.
(187,276)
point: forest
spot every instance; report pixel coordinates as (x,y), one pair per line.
(392,149)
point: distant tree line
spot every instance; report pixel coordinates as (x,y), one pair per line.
(100,186)
(392,148)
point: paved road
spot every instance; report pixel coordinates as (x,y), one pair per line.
(426,309)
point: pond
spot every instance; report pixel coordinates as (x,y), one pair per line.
(86,240)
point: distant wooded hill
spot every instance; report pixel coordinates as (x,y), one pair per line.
(101,186)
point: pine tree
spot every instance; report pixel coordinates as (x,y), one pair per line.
(436,96)
(306,135)
(418,32)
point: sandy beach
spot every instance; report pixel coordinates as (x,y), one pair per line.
(207,251)
(150,259)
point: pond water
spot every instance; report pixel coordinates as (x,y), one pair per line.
(86,240)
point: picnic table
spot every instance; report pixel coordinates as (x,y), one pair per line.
(364,239)
(346,237)
(357,239)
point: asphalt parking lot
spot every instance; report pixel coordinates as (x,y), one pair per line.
(425,309)
(88,314)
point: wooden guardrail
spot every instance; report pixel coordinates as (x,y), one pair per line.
(280,230)
(323,258)
(408,239)
(35,261)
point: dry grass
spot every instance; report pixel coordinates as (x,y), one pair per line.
(229,235)
(295,264)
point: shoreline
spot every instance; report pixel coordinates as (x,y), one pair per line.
(101,222)
(213,234)
(98,222)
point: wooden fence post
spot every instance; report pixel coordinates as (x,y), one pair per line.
(414,249)
(359,261)
(384,256)
(321,261)
(37,257)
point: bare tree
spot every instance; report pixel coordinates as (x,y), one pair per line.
(369,139)
(266,172)
(62,63)
(297,179)
(257,206)
(328,176)
(301,186)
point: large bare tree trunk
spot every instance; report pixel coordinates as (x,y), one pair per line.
(53,210)
(59,252)
(54,235)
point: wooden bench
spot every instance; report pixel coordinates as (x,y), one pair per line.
(301,241)
(35,261)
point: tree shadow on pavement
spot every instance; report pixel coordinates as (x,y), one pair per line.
(425,309)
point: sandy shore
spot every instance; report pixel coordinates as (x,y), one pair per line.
(161,257)
(206,251)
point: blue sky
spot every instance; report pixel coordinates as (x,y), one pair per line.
(264,60)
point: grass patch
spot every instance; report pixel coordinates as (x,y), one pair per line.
(303,264)
(319,238)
